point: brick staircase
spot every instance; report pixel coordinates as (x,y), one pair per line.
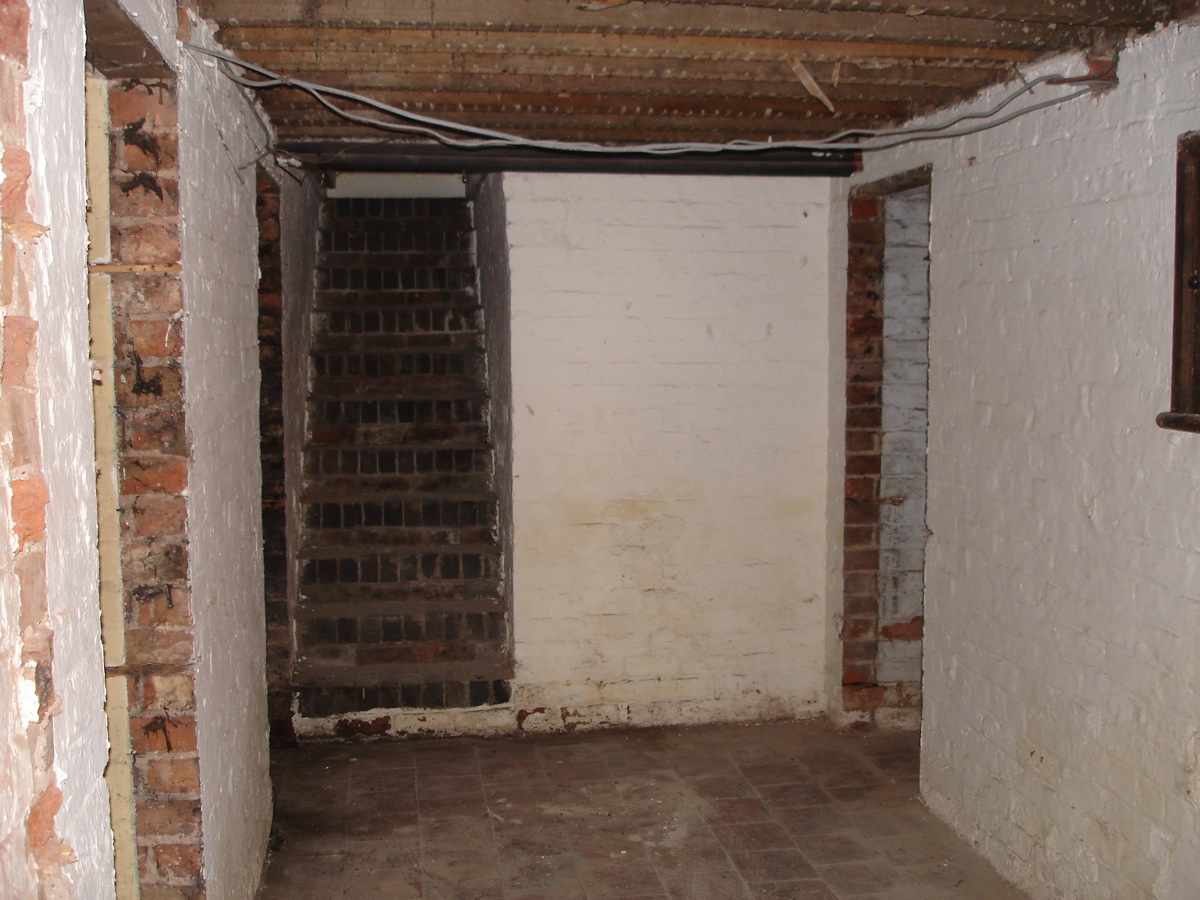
(402,596)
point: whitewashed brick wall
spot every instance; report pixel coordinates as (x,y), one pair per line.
(54,105)
(221,138)
(670,419)
(905,401)
(1062,606)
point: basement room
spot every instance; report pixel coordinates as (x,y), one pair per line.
(591,449)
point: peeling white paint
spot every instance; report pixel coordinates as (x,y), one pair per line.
(55,111)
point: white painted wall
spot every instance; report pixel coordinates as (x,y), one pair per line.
(221,137)
(1061,727)
(670,440)
(905,420)
(18,697)
(55,110)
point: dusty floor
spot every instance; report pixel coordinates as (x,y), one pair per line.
(778,811)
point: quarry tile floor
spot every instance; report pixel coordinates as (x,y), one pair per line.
(779,810)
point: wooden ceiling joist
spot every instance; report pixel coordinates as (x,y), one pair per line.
(658,70)
(686,16)
(347,41)
(850,87)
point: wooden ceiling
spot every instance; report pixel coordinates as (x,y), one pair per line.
(621,71)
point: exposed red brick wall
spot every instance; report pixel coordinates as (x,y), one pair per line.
(862,691)
(148,326)
(22,486)
(864,424)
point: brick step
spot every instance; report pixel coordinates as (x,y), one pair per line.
(402,209)
(455,362)
(408,566)
(410,562)
(423,342)
(322,542)
(411,553)
(337,624)
(429,319)
(390,300)
(379,387)
(460,490)
(399,260)
(341,234)
(337,664)
(333,474)
(416,596)
(413,611)
(324,664)
(418,230)
(467,340)
(320,701)
(403,411)
(449,214)
(445,433)
(390,487)
(389,278)
(354,412)
(405,510)
(391,236)
(410,660)
(445,232)
(410,458)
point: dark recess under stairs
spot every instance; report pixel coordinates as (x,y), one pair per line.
(402,595)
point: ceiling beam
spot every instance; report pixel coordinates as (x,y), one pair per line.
(356,45)
(763,16)
(599,129)
(431,158)
(851,86)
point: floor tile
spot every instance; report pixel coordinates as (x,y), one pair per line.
(813,820)
(773,865)
(802,793)
(851,879)
(836,847)
(604,879)
(805,889)
(753,836)
(782,810)
(558,873)
(735,810)
(725,884)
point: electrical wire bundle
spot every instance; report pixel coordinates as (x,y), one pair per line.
(402,121)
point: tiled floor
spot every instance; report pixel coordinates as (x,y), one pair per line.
(774,811)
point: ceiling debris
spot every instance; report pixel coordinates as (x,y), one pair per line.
(810,83)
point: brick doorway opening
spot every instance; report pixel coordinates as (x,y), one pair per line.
(887,357)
